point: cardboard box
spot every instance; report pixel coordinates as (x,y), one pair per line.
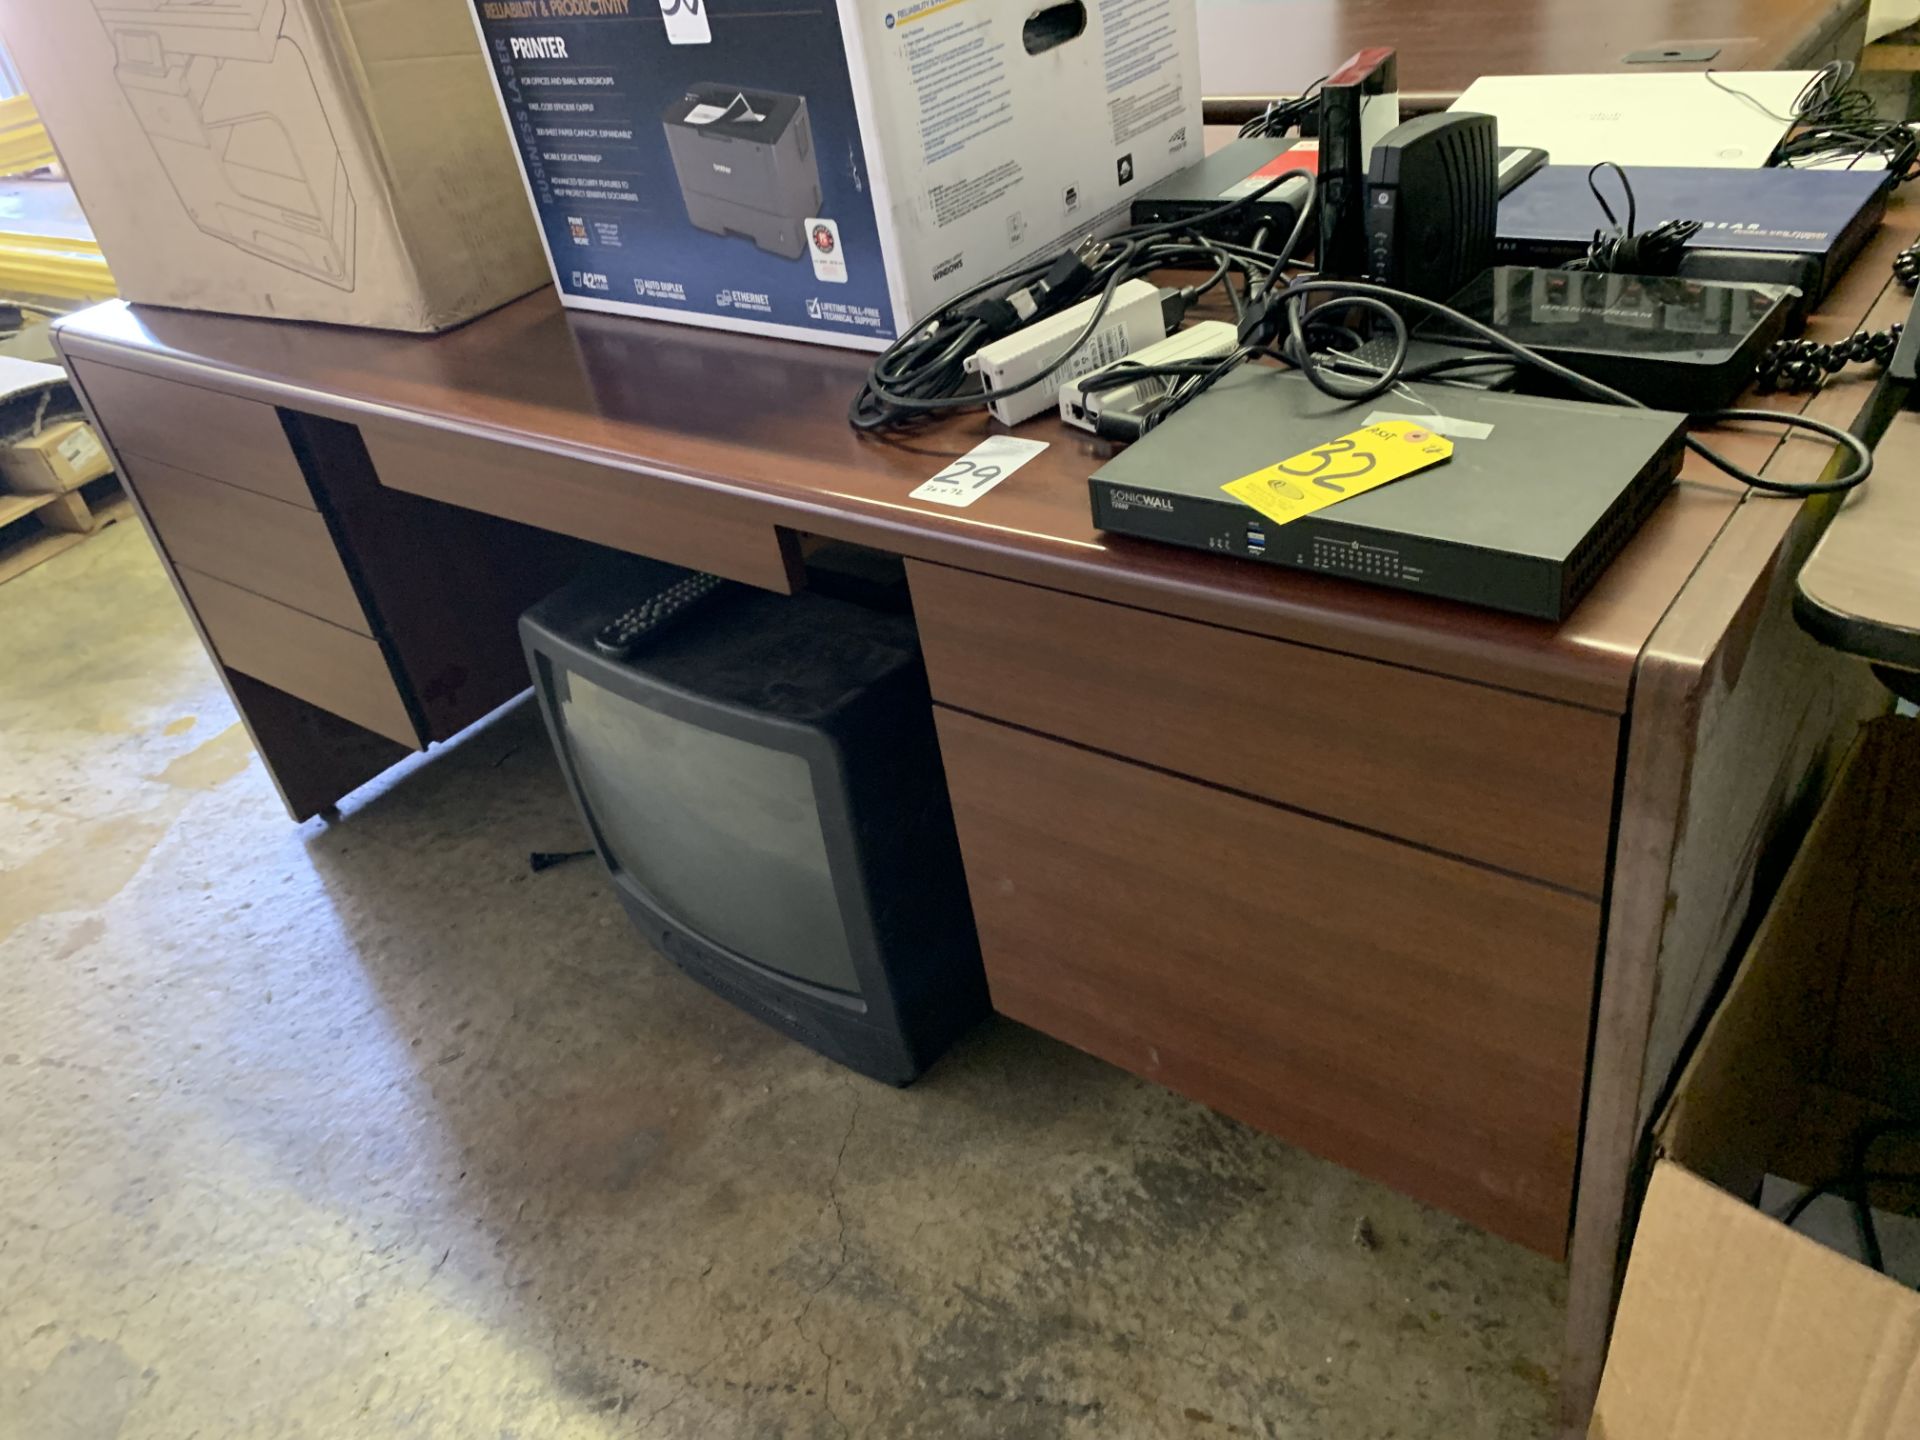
(337,160)
(832,173)
(62,457)
(1733,1326)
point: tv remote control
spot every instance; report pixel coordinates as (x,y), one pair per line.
(622,635)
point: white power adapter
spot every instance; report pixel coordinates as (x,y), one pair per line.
(1203,340)
(1134,319)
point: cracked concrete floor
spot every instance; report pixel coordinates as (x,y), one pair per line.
(359,1129)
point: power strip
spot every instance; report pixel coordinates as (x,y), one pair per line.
(1203,340)
(1134,320)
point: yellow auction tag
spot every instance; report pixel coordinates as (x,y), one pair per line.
(1351,465)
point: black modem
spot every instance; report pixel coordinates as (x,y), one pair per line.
(1433,190)
(1537,499)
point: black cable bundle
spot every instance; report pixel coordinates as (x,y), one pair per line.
(923,373)
(1624,249)
(1281,116)
(1836,123)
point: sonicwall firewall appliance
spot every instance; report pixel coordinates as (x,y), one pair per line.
(746,164)
(1536,500)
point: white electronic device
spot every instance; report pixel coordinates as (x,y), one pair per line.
(1135,319)
(1731,119)
(1204,340)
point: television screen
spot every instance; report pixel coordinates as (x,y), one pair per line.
(762,779)
(719,832)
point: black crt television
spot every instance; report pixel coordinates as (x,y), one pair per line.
(763,783)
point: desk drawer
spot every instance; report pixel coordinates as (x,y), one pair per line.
(1511,780)
(281,551)
(238,441)
(1418,1019)
(335,669)
(600,503)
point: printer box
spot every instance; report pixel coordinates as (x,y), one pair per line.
(832,174)
(336,160)
(1789,1150)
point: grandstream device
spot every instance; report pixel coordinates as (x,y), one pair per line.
(1538,497)
(1690,344)
(746,164)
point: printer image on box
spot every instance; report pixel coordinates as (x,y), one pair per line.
(746,164)
(830,172)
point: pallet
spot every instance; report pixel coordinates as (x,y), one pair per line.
(35,528)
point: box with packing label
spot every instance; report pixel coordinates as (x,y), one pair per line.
(1790,1152)
(59,458)
(832,174)
(337,160)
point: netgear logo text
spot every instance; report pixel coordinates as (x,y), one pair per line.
(686,22)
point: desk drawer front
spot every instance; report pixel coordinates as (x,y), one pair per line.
(591,502)
(335,669)
(1514,781)
(281,551)
(1418,1019)
(238,441)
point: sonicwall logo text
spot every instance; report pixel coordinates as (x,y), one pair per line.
(590,280)
(686,22)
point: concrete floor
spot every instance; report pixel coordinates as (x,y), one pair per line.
(359,1129)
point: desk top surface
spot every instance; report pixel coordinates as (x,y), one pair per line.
(762,424)
(1860,588)
(1255,49)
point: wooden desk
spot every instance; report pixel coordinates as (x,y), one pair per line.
(1860,588)
(1253,50)
(1458,951)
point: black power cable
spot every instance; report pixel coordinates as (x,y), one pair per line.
(1623,249)
(1852,1183)
(1800,367)
(1836,125)
(1281,116)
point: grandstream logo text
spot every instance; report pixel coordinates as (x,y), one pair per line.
(1135,500)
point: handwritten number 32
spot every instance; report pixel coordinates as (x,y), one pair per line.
(1332,463)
